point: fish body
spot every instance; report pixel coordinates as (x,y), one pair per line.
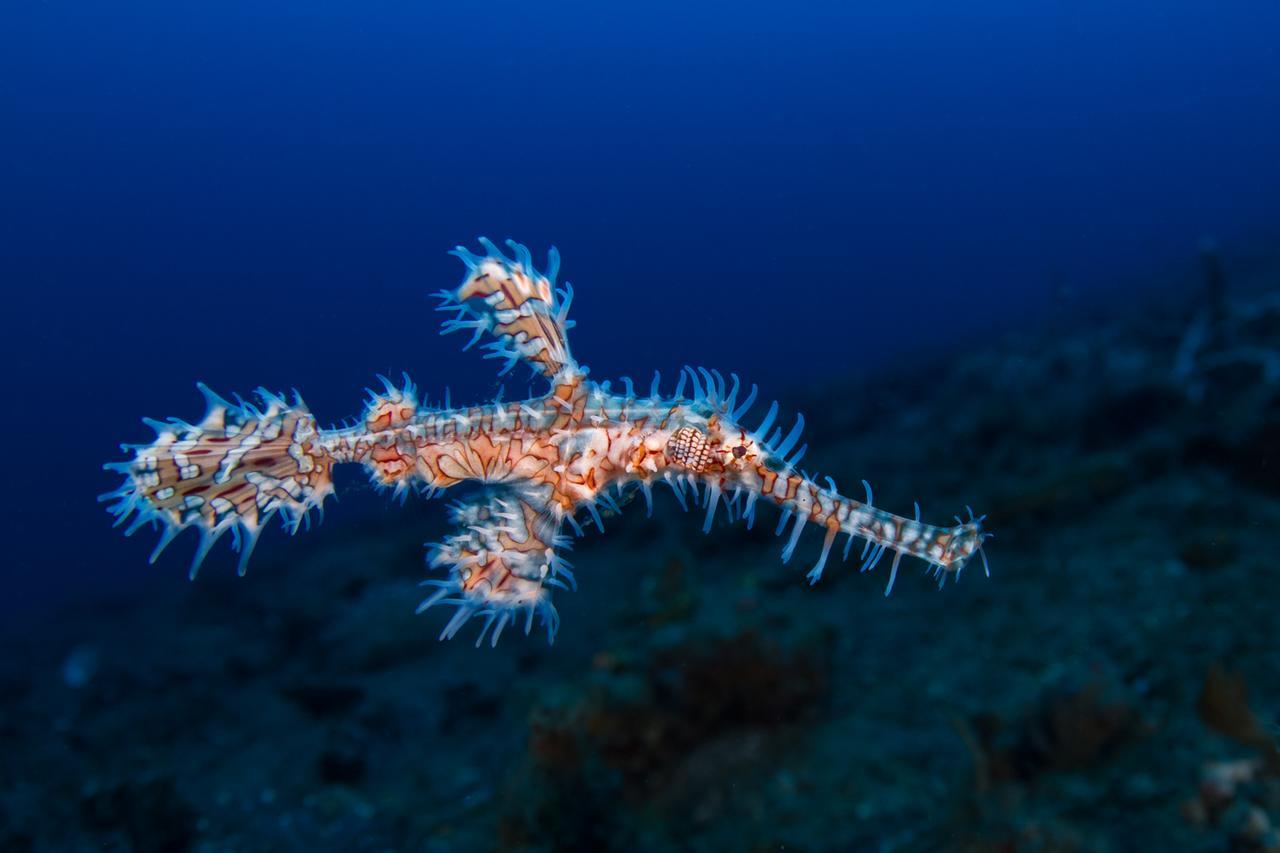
(548,465)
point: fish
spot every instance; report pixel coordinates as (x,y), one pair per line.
(547,467)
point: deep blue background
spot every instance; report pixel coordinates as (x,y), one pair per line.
(262,193)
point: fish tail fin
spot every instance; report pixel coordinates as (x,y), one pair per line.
(240,465)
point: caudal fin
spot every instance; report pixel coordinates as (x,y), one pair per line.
(231,472)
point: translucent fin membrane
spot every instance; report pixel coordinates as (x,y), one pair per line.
(242,464)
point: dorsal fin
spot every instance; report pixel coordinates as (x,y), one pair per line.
(520,306)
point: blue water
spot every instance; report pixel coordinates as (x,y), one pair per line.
(262,193)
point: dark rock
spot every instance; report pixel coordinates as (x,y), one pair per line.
(324,700)
(149,813)
(466,704)
(340,766)
(16,842)
(1257,459)
(1120,418)
(1208,550)
(1070,729)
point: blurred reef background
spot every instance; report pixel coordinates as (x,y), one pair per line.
(968,241)
(1112,686)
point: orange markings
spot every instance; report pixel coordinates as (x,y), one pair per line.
(391,464)
(816,512)
(793,484)
(385,414)
(832,530)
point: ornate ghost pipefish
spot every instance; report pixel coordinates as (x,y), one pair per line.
(546,463)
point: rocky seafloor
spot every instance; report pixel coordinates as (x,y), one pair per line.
(1114,685)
